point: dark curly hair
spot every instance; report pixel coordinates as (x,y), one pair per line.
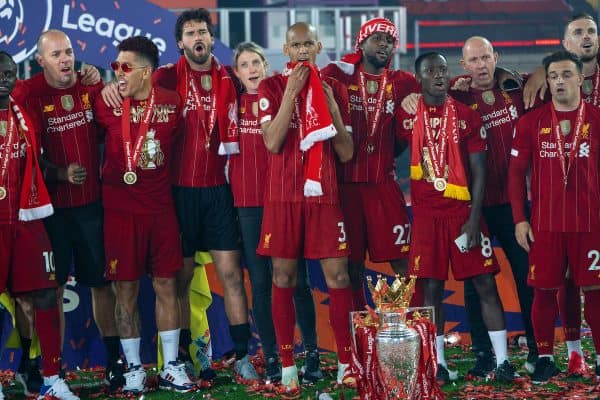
(196,14)
(143,47)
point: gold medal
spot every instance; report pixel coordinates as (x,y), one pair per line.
(372,87)
(488,97)
(2,193)
(67,102)
(565,127)
(206,82)
(130,177)
(439,184)
(588,86)
(370,148)
(3,128)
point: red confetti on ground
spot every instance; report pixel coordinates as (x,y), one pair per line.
(117,5)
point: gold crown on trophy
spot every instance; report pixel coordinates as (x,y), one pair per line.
(392,297)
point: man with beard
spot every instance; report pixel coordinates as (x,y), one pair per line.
(581,39)
(304,128)
(448,171)
(499,112)
(558,143)
(373,204)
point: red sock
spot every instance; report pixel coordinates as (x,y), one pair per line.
(47,329)
(543,314)
(340,305)
(569,305)
(418,298)
(284,320)
(358,299)
(592,316)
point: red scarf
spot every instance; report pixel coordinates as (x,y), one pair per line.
(367,29)
(224,104)
(315,127)
(427,386)
(457,186)
(34,202)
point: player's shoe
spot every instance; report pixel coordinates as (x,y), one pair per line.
(289,377)
(244,368)
(577,366)
(173,377)
(58,390)
(445,375)
(505,372)
(311,369)
(344,375)
(273,370)
(532,358)
(544,370)
(31,378)
(115,375)
(135,380)
(484,365)
(1,393)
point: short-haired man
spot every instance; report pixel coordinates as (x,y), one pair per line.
(560,142)
(304,128)
(62,105)
(373,204)
(26,261)
(140,227)
(447,169)
(499,110)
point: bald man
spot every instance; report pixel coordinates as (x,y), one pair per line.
(302,214)
(61,104)
(499,111)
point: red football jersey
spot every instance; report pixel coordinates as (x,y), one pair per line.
(193,164)
(152,191)
(373,159)
(69,134)
(499,112)
(285,177)
(472,139)
(248,169)
(557,208)
(9,206)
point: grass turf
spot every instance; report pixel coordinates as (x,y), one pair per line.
(87,383)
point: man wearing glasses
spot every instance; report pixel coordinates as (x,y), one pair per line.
(141,233)
(60,100)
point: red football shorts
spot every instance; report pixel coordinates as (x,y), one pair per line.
(309,230)
(135,244)
(26,258)
(433,249)
(376,220)
(553,252)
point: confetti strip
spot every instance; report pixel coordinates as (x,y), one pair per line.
(102,49)
(117,5)
(156,21)
(83,8)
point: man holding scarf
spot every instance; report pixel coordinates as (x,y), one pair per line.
(447,170)
(304,128)
(372,202)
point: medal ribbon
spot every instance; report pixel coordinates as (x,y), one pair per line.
(8,144)
(212,116)
(372,125)
(437,151)
(564,165)
(596,80)
(132,156)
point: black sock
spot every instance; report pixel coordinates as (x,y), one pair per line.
(113,352)
(25,346)
(185,340)
(240,335)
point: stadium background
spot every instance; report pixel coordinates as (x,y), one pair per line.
(522,31)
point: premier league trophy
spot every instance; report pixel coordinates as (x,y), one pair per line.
(394,345)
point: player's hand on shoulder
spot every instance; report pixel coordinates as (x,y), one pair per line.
(409,103)
(461,84)
(111,96)
(89,75)
(536,82)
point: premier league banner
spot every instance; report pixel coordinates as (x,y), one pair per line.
(95,27)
